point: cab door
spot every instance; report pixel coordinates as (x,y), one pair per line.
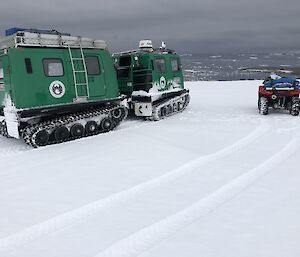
(4,76)
(2,88)
(161,70)
(177,76)
(95,74)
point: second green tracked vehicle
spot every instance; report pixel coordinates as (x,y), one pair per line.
(153,81)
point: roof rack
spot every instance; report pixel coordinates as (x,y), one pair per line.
(127,52)
(33,39)
(155,50)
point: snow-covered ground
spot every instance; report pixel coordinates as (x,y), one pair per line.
(216,180)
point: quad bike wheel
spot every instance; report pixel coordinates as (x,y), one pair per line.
(263,106)
(295,106)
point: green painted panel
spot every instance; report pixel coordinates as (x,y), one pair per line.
(148,65)
(33,89)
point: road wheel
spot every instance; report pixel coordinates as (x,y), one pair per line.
(117,113)
(106,124)
(175,107)
(41,138)
(61,133)
(91,127)
(77,130)
(164,111)
(170,109)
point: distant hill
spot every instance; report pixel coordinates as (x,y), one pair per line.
(293,71)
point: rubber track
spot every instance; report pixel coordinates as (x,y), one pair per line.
(29,133)
(3,129)
(183,100)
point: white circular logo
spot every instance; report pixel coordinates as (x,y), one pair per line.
(57,89)
(162,82)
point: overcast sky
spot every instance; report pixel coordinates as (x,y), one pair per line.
(189,26)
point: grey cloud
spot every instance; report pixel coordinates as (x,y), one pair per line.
(189,26)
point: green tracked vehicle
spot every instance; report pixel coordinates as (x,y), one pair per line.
(152,80)
(56,87)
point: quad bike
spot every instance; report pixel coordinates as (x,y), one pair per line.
(279,93)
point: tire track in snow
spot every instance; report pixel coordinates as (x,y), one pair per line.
(9,151)
(144,239)
(13,150)
(131,124)
(69,218)
(11,147)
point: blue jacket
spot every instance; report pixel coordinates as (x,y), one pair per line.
(283,83)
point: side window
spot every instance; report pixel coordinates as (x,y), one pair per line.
(125,61)
(53,67)
(28,65)
(92,65)
(175,64)
(1,70)
(160,64)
